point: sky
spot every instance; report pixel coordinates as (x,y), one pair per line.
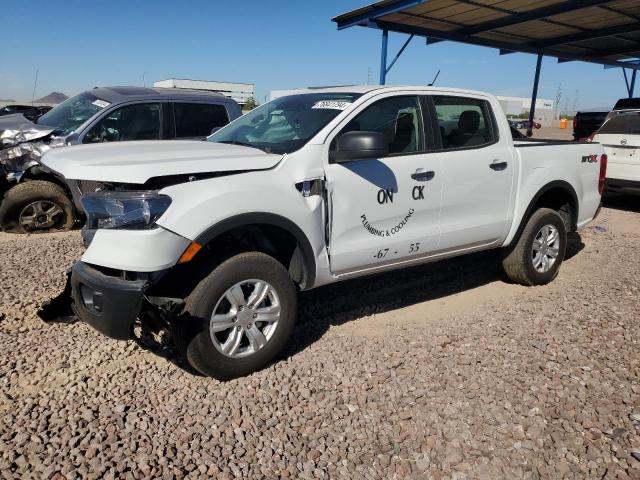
(276,44)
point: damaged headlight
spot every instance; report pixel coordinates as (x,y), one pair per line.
(125,209)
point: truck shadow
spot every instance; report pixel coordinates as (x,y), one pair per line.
(352,299)
(349,300)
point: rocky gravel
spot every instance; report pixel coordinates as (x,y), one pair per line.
(443,371)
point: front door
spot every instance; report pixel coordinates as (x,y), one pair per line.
(385,211)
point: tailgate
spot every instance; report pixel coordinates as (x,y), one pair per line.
(621,148)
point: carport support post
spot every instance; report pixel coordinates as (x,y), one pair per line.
(383,57)
(534,96)
(632,87)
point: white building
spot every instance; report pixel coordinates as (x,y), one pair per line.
(240,92)
(518,105)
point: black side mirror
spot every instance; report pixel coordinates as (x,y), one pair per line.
(360,145)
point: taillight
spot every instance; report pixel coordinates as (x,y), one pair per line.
(575,122)
(603,173)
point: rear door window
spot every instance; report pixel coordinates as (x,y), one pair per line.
(623,124)
(464,122)
(196,120)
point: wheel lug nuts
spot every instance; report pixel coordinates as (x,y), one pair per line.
(235,319)
(238,328)
(250,325)
(255,315)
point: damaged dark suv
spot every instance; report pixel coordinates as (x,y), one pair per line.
(34,199)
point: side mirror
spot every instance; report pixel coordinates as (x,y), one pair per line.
(360,145)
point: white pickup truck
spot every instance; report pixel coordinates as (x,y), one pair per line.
(213,239)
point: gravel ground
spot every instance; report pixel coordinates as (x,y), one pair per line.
(442,371)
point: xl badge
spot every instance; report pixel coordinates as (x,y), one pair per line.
(623,141)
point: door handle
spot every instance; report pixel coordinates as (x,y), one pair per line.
(423,176)
(498,166)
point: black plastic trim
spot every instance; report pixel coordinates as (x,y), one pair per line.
(268,219)
(120,301)
(615,184)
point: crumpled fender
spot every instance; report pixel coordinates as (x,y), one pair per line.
(16,129)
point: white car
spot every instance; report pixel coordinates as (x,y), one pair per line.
(620,137)
(213,239)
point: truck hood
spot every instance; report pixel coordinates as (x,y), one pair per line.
(137,162)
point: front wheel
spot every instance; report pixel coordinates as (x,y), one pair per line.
(241,316)
(36,206)
(536,257)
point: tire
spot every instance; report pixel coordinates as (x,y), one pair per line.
(204,349)
(521,260)
(45,204)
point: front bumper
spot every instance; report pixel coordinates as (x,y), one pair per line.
(110,304)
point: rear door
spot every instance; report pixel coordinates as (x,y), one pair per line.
(385,211)
(197,120)
(477,169)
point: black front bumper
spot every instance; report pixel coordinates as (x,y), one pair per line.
(109,303)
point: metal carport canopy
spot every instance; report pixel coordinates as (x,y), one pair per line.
(606,32)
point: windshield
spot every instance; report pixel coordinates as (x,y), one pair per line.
(622,124)
(72,113)
(285,124)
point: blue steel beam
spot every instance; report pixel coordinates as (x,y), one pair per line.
(626,81)
(534,95)
(624,64)
(383,57)
(395,59)
(633,83)
(377,12)
(525,48)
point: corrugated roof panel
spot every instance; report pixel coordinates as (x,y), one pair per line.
(538,29)
(452,18)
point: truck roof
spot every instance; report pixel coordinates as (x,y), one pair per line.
(126,94)
(391,88)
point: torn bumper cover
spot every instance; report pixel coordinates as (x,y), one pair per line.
(108,303)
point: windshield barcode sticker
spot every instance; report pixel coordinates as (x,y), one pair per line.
(332,104)
(100,103)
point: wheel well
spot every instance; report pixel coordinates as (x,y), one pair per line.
(257,237)
(562,201)
(559,196)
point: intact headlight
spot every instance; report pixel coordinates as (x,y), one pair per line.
(135,210)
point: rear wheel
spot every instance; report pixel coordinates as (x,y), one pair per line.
(36,206)
(240,316)
(536,258)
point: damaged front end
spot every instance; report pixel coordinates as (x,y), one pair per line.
(111,301)
(22,144)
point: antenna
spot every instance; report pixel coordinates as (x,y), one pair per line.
(35,83)
(434,79)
